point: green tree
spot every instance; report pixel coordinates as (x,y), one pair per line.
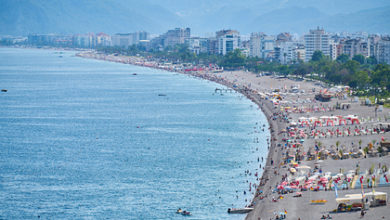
(360,79)
(359,58)
(343,58)
(233,59)
(371,60)
(352,66)
(303,69)
(284,69)
(317,56)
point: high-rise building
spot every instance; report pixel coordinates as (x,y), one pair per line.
(227,41)
(384,50)
(333,49)
(172,38)
(103,40)
(198,45)
(289,52)
(267,47)
(373,42)
(354,47)
(126,40)
(261,45)
(255,44)
(84,40)
(300,52)
(176,36)
(316,40)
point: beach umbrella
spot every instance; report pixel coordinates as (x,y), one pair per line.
(293,170)
(323,179)
(284,183)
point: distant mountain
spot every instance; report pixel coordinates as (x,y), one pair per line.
(375,20)
(300,20)
(20,17)
(293,19)
(81,16)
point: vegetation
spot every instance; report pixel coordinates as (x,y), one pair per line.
(364,75)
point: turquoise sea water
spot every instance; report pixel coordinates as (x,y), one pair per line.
(88,139)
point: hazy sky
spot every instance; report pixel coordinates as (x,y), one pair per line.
(202,16)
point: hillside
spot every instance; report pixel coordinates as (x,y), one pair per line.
(20,17)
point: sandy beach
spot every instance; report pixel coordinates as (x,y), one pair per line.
(316,147)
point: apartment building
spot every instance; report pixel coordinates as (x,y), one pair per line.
(316,40)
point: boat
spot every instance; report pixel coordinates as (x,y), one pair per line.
(4,90)
(183,212)
(161,94)
(239,211)
(186,213)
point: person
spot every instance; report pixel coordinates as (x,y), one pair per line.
(362,213)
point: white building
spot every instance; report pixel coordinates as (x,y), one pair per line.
(255,44)
(197,45)
(316,40)
(261,45)
(288,52)
(227,41)
(333,49)
(103,39)
(384,50)
(126,40)
(267,47)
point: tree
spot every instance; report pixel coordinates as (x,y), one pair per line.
(284,69)
(233,59)
(317,56)
(352,66)
(371,60)
(359,79)
(343,58)
(359,58)
(303,69)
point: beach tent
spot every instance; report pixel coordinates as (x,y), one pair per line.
(317,122)
(329,121)
(355,120)
(342,120)
(305,122)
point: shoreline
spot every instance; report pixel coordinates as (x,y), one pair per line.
(262,104)
(284,108)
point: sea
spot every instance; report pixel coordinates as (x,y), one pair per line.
(90,139)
